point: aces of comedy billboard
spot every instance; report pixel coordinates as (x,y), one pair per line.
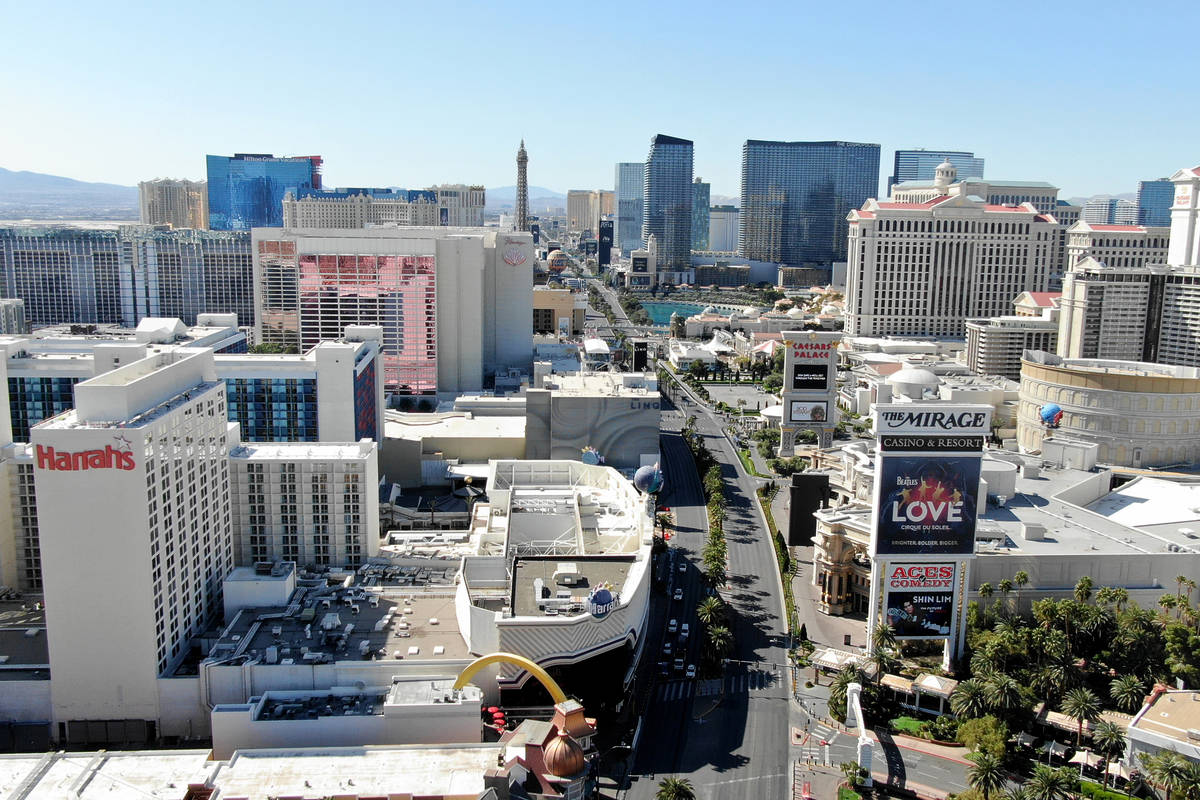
(927,504)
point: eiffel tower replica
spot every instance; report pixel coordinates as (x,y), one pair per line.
(522,189)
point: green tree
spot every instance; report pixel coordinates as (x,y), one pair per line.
(1082,705)
(1127,693)
(1003,693)
(698,369)
(720,640)
(1083,589)
(1020,580)
(1048,783)
(985,734)
(710,610)
(1167,769)
(840,688)
(969,699)
(675,789)
(1109,741)
(855,774)
(986,773)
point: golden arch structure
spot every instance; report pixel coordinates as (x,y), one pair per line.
(556,692)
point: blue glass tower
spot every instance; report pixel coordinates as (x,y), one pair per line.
(1154,199)
(919,165)
(667,200)
(630,186)
(796,195)
(246,191)
(701,193)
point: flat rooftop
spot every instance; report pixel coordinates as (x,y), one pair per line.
(1172,714)
(24,654)
(416,626)
(289,451)
(455,425)
(410,692)
(415,770)
(564,599)
(405,770)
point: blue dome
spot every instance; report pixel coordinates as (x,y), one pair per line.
(648,479)
(602,596)
(591,456)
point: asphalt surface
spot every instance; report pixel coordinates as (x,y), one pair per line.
(729,738)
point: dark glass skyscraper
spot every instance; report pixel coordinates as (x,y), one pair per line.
(667,200)
(701,196)
(1154,200)
(630,190)
(246,191)
(796,195)
(919,165)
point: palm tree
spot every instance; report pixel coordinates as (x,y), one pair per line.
(720,640)
(675,789)
(1109,741)
(1168,769)
(1002,692)
(1006,587)
(969,699)
(710,610)
(1083,589)
(1127,693)
(883,637)
(985,591)
(663,521)
(1082,705)
(1048,783)
(1020,580)
(840,687)
(986,774)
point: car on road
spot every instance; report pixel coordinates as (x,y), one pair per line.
(664,669)
(683,566)
(691,671)
(683,632)
(679,665)
(673,626)
(666,648)
(678,594)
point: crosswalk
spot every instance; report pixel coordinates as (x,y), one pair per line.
(740,683)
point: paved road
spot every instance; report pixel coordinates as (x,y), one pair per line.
(739,749)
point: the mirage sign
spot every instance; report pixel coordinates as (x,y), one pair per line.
(927,478)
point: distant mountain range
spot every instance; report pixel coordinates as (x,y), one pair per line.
(539,198)
(33,195)
(1080,201)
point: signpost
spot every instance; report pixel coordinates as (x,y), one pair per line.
(926,504)
(809,387)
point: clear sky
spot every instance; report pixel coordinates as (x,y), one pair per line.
(1091,96)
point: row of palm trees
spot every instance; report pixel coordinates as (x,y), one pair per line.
(987,775)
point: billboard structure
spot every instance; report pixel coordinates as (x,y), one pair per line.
(926,504)
(919,599)
(809,387)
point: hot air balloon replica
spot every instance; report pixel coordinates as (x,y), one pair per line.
(1051,415)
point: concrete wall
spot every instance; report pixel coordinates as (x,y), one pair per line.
(234,727)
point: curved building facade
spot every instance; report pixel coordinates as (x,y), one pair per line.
(1137,414)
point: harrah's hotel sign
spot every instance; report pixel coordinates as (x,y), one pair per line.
(61,461)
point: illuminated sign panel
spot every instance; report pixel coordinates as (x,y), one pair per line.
(920,600)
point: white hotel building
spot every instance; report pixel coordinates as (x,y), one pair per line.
(924,269)
(136,535)
(131,508)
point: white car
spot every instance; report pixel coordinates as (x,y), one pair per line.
(683,566)
(678,594)
(683,632)
(691,671)
(673,626)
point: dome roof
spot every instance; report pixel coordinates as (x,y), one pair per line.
(564,756)
(913,376)
(795,313)
(710,310)
(558,261)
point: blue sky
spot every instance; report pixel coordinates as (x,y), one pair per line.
(1092,97)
